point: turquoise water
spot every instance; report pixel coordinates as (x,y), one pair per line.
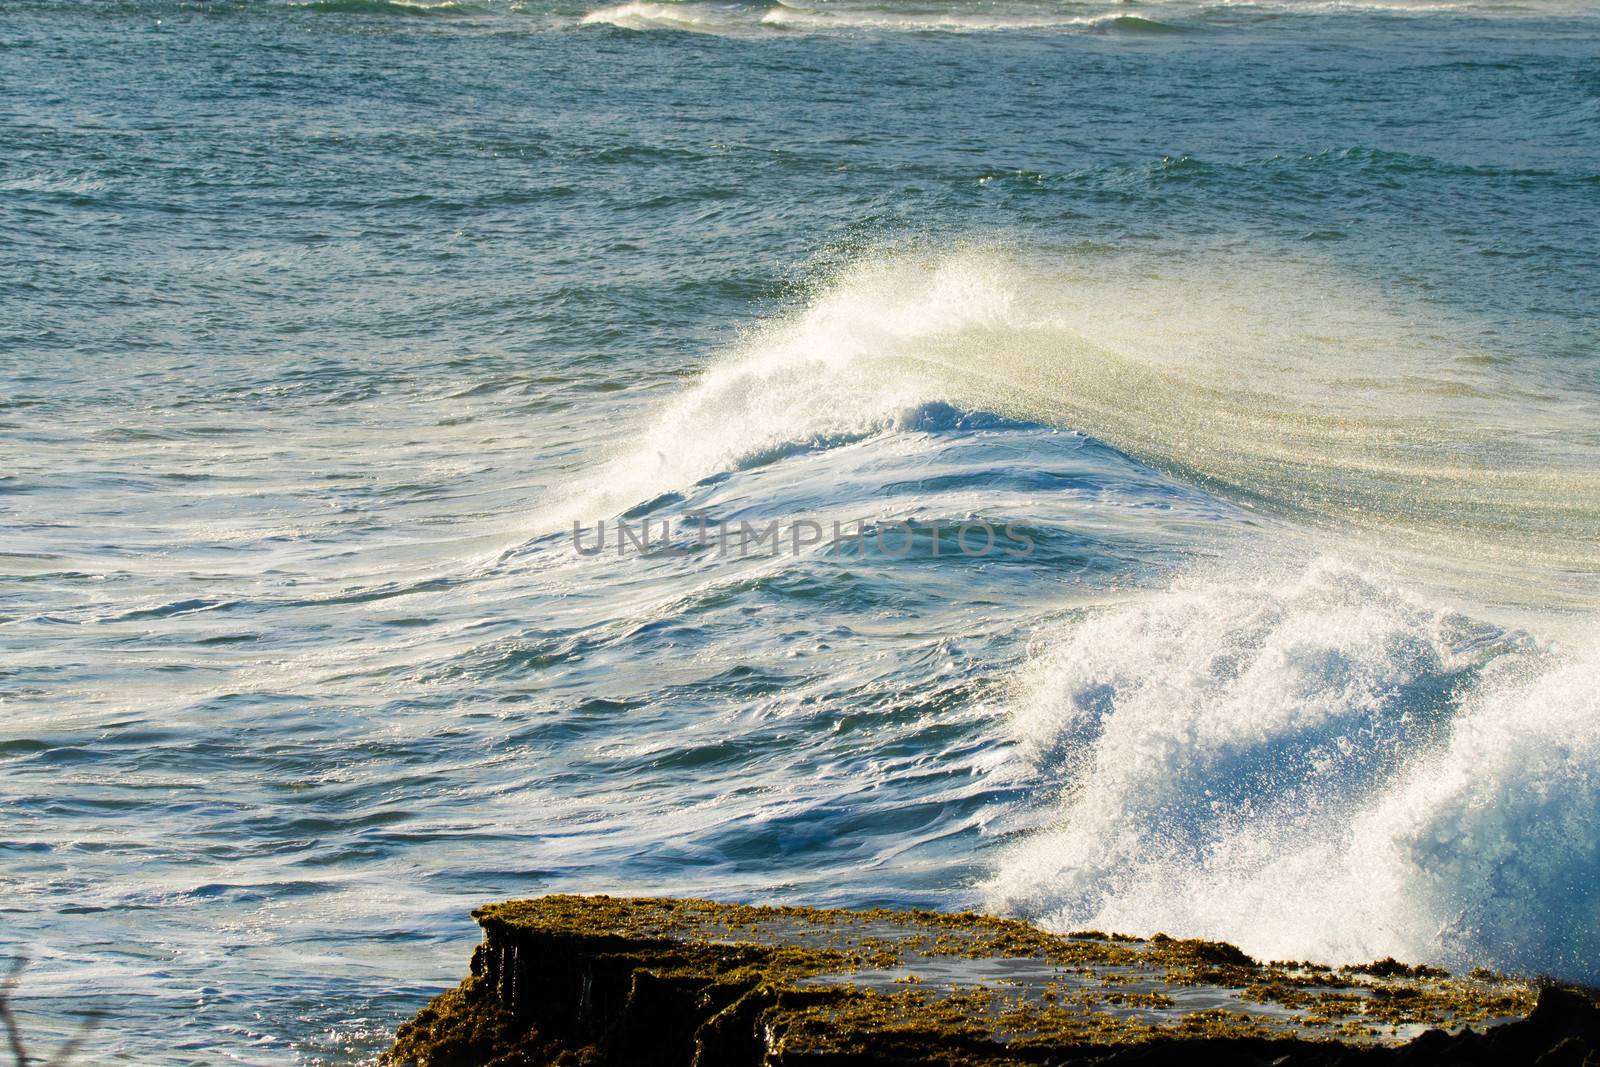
(1272,326)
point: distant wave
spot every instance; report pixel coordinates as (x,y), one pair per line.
(746,18)
(388,7)
(1316,765)
(954,21)
(754,17)
(688,17)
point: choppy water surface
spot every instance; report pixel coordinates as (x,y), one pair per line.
(1271,325)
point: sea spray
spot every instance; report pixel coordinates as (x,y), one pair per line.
(1313,763)
(1309,408)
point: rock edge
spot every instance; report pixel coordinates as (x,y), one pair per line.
(600,981)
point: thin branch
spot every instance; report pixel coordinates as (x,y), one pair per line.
(11,979)
(85,1026)
(19,1053)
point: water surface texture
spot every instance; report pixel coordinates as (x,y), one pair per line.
(1270,326)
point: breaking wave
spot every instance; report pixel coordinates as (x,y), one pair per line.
(1313,760)
(1314,764)
(1286,391)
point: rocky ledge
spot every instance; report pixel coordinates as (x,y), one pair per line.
(630,982)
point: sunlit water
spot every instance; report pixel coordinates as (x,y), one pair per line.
(1270,325)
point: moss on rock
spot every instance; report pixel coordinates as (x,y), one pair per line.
(616,981)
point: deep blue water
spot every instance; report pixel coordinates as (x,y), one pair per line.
(1270,326)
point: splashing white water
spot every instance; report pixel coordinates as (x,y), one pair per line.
(1315,765)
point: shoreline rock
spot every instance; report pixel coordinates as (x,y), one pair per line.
(660,981)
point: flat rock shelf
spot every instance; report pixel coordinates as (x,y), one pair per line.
(656,981)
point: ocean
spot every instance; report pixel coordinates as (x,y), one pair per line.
(1181,422)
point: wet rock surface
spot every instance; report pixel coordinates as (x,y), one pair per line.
(644,981)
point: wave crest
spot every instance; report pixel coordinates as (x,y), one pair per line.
(846,367)
(1276,387)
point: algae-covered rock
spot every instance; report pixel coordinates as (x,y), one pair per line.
(612,981)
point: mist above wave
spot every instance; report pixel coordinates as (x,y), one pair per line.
(1272,384)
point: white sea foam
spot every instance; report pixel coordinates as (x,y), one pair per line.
(689,17)
(1313,764)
